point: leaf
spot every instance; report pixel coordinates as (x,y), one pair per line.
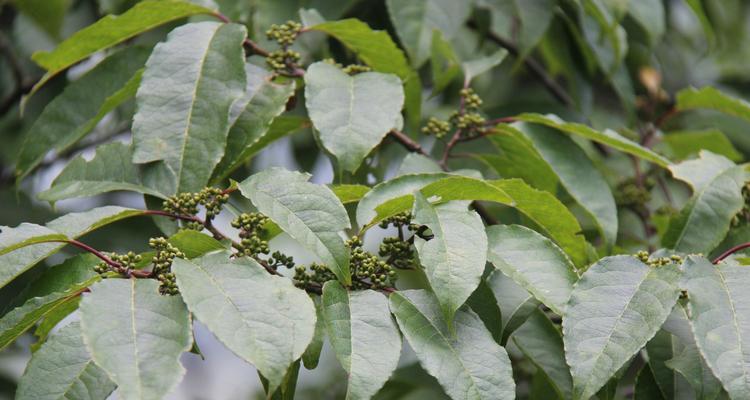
(415,21)
(567,160)
(469,364)
(341,109)
(645,385)
(700,12)
(454,258)
(444,64)
(717,196)
(110,31)
(476,67)
(606,137)
(195,244)
(262,318)
(311,214)
(615,308)
(26,234)
(184,100)
(660,349)
(515,302)
(70,116)
(136,335)
(535,17)
(713,99)
(350,193)
(534,262)
(253,114)
(20,319)
(47,14)
(363,335)
(541,342)
(650,15)
(69,226)
(109,170)
(377,49)
(63,369)
(718,305)
(686,143)
(311,356)
(483,302)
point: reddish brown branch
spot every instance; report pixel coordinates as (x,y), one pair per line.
(407,142)
(730,252)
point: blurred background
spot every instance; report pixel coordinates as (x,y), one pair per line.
(613,64)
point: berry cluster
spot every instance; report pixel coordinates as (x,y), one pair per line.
(467,119)
(645,258)
(186,204)
(283,61)
(251,226)
(397,252)
(128,261)
(284,34)
(279,259)
(317,275)
(162,270)
(436,127)
(367,268)
(471,100)
(631,195)
(354,69)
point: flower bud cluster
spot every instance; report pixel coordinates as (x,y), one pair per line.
(162,269)
(128,261)
(186,204)
(317,274)
(656,262)
(284,34)
(436,127)
(369,270)
(282,61)
(251,226)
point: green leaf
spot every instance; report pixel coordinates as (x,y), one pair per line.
(718,304)
(476,67)
(311,214)
(645,385)
(535,17)
(468,364)
(311,356)
(20,319)
(606,137)
(660,349)
(454,258)
(26,234)
(47,14)
(363,335)
(195,244)
(616,307)
(700,12)
(444,63)
(110,31)
(712,99)
(687,143)
(63,369)
(415,21)
(557,222)
(188,87)
(109,170)
(483,302)
(717,196)
(567,160)
(534,262)
(515,302)
(137,335)
(262,318)
(340,107)
(69,226)
(350,193)
(70,116)
(541,342)
(252,116)
(376,49)
(650,15)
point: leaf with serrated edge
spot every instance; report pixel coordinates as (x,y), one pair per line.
(455,257)
(311,214)
(352,113)
(262,318)
(719,309)
(74,376)
(183,103)
(616,307)
(469,364)
(363,335)
(534,262)
(136,335)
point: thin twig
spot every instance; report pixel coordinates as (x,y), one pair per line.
(730,252)
(407,142)
(247,43)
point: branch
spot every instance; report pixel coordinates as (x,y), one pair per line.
(730,252)
(407,142)
(247,43)
(557,91)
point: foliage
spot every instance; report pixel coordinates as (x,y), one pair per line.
(532,196)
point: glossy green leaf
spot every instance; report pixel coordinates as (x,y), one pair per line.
(515,302)
(713,99)
(687,143)
(311,214)
(606,137)
(363,335)
(84,102)
(262,318)
(415,20)
(110,31)
(74,375)
(20,319)
(340,107)
(188,87)
(137,335)
(377,49)
(251,117)
(350,193)
(454,258)
(68,226)
(718,308)
(717,196)
(567,160)
(541,342)
(616,307)
(534,262)
(468,364)
(111,169)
